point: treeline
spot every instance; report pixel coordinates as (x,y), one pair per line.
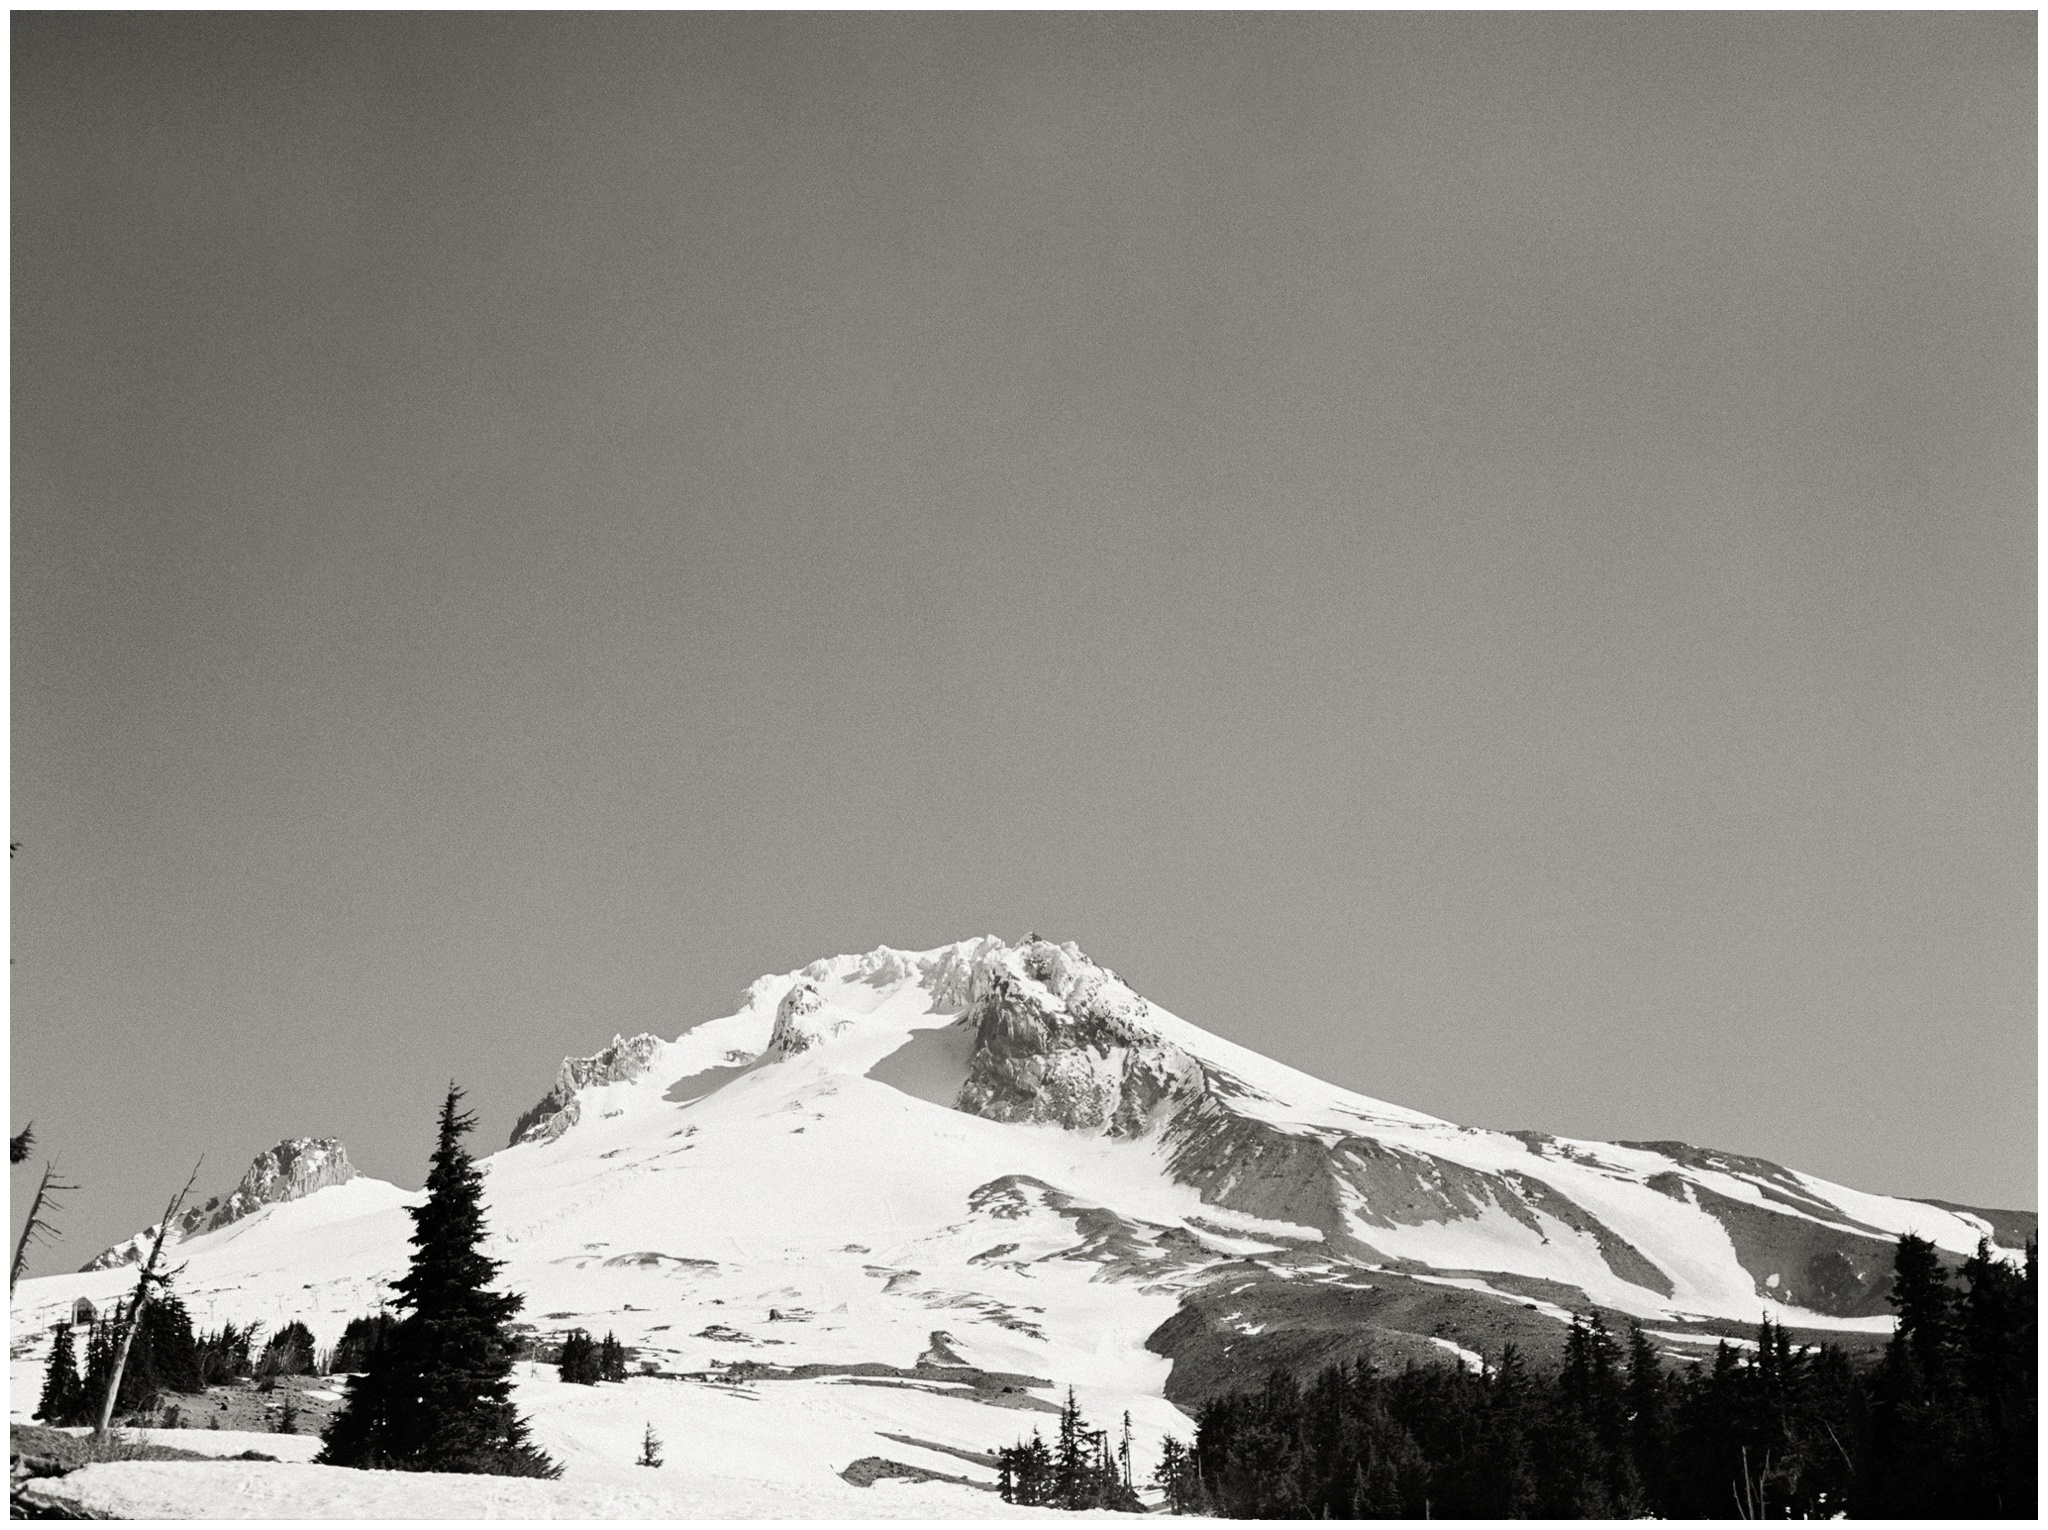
(428,1390)
(1078,1471)
(164,1357)
(168,1356)
(1943,1424)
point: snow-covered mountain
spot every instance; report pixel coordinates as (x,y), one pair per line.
(296,1167)
(896,1203)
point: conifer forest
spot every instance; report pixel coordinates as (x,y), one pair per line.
(1941,1425)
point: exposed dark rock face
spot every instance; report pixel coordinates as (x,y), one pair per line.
(558,1109)
(1060,1040)
(1261,1315)
(869,1470)
(1622,1256)
(295,1167)
(1127,1248)
(1334,1186)
(1250,1166)
(1063,1043)
(2010,1229)
(1822,1269)
(1256,1316)
(1773,1181)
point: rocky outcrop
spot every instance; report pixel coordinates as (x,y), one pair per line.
(296,1167)
(1061,1041)
(559,1109)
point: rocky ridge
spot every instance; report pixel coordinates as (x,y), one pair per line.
(561,1108)
(296,1167)
(1063,1041)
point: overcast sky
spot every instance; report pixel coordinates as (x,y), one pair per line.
(1489,558)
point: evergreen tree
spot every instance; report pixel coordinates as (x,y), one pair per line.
(1024,1472)
(1926,1306)
(224,1353)
(1175,1476)
(650,1449)
(611,1359)
(1649,1419)
(164,1357)
(1507,1454)
(1067,1473)
(1943,1426)
(1038,1483)
(63,1398)
(289,1352)
(579,1360)
(166,1352)
(1996,1358)
(99,1358)
(437,1397)
(361,1341)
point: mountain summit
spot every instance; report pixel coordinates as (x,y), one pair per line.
(917,1187)
(296,1167)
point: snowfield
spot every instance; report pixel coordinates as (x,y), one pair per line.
(261,1490)
(791,1188)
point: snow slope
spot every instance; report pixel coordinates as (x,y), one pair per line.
(941,1187)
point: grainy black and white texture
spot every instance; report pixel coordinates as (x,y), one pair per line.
(1490,558)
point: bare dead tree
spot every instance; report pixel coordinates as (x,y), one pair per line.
(148,1280)
(37,1225)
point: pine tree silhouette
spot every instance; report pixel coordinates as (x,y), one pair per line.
(1943,1426)
(650,1448)
(63,1396)
(579,1361)
(438,1396)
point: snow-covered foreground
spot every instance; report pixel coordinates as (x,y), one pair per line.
(262,1490)
(771,1451)
(942,1188)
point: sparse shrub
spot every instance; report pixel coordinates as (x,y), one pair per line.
(650,1449)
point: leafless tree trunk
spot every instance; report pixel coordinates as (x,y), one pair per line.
(36,1226)
(148,1278)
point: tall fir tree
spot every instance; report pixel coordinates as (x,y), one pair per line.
(360,1341)
(63,1398)
(1067,1463)
(438,1395)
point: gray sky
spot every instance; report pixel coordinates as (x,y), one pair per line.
(1492,559)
